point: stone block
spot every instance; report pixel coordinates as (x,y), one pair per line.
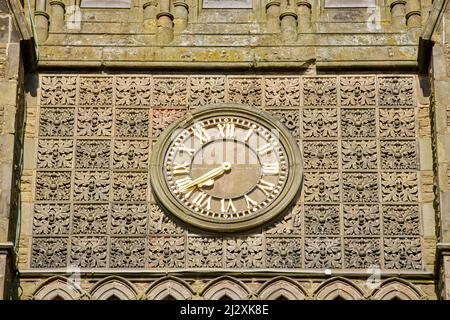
(427,182)
(441,90)
(105,3)
(349,3)
(13,61)
(424,122)
(3,273)
(29,153)
(9,119)
(426,154)
(429,220)
(361,53)
(26,219)
(429,250)
(7,148)
(4,29)
(77,53)
(8,92)
(26,186)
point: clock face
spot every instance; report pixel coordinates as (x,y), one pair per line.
(226,168)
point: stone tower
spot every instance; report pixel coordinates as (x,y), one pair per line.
(91,88)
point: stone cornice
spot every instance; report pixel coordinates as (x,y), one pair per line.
(300,273)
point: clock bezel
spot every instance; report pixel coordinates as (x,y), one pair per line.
(282,202)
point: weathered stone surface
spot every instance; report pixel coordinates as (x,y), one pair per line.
(370,183)
(345,148)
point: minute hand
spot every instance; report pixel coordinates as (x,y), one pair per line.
(207,176)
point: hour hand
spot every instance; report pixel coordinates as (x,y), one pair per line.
(208,178)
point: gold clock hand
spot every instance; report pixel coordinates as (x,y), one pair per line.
(207,177)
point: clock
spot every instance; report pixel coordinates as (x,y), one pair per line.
(226,168)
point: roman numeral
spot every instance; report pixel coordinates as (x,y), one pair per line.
(225,208)
(201,134)
(226,130)
(182,182)
(271,168)
(248,135)
(188,150)
(181,168)
(250,202)
(202,200)
(265,186)
(265,149)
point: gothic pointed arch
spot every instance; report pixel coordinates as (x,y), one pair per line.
(338,288)
(281,288)
(113,288)
(225,287)
(57,288)
(397,289)
(169,288)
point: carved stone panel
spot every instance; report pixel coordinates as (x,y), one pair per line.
(320,123)
(361,252)
(129,219)
(96,91)
(282,92)
(57,122)
(53,186)
(359,207)
(89,252)
(283,252)
(205,252)
(56,154)
(127,252)
(133,91)
(361,220)
(58,90)
(321,155)
(323,253)
(49,252)
(51,219)
(244,252)
(90,219)
(166,252)
(320,91)
(206,90)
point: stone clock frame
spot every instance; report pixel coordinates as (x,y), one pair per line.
(286,197)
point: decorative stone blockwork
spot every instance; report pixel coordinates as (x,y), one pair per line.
(360,206)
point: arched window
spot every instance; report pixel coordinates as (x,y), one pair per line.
(169,289)
(225,288)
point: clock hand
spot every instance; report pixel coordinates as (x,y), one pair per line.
(207,178)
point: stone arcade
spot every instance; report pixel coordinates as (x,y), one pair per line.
(106,105)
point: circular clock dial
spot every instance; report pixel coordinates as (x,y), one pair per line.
(226,167)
